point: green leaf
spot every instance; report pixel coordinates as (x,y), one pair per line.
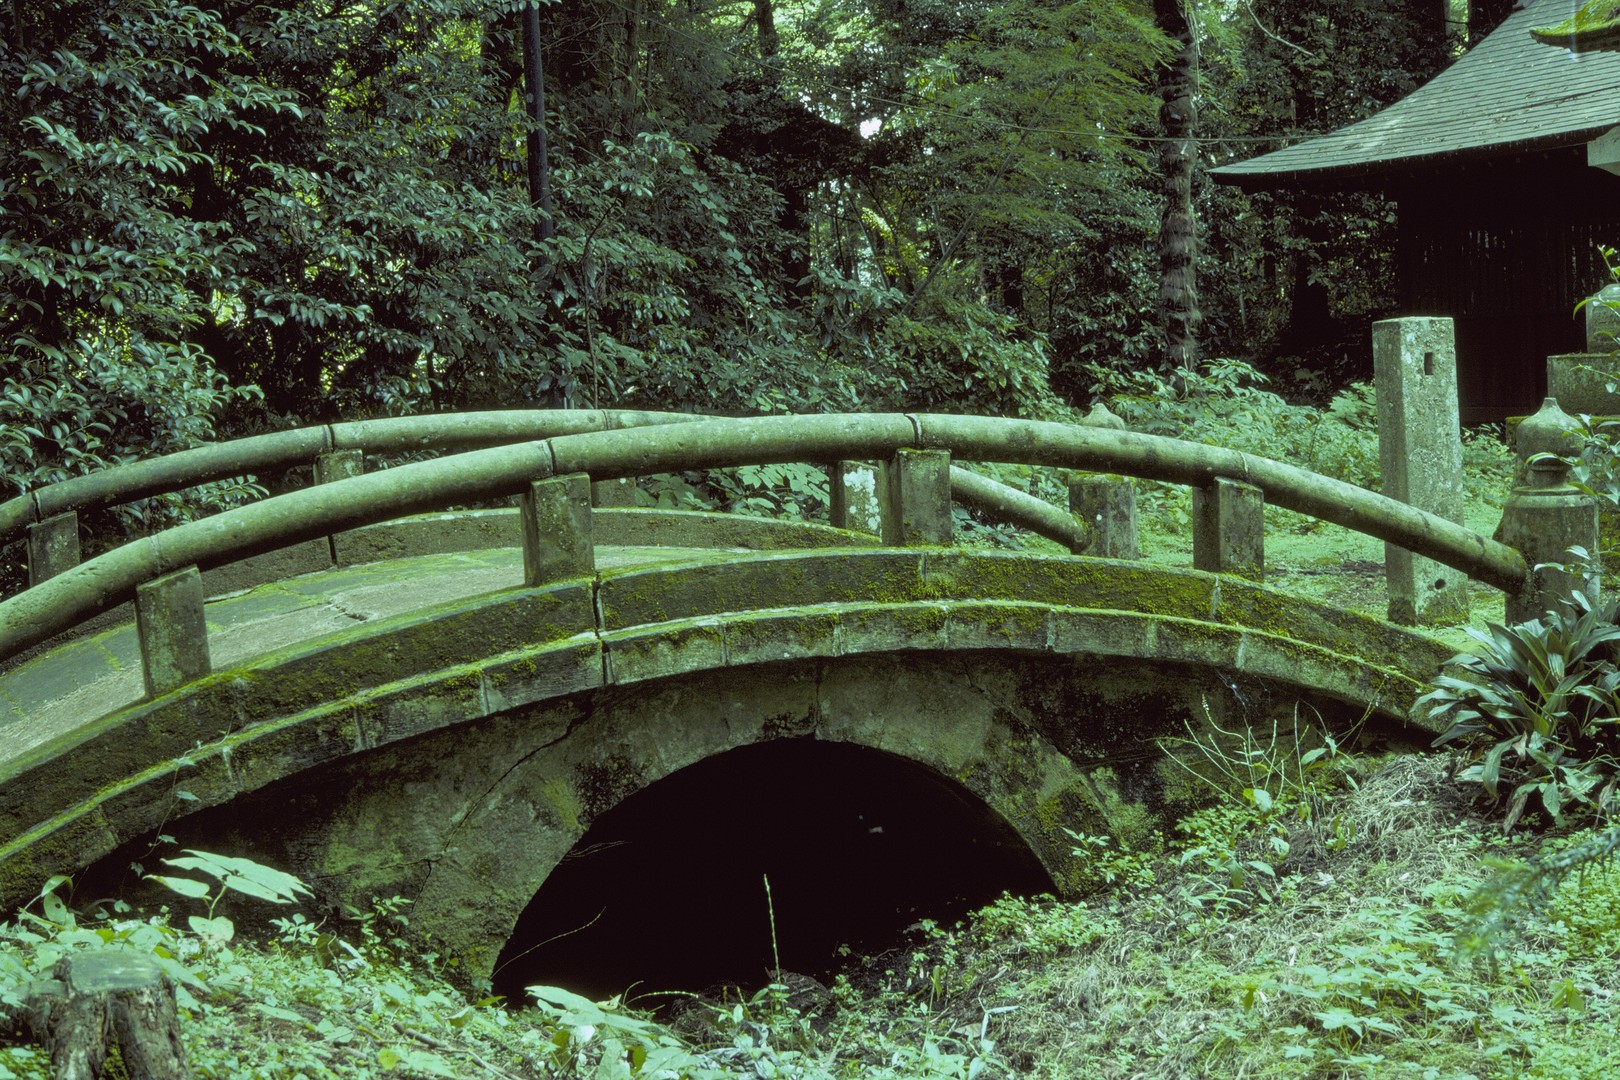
(218,929)
(281,1014)
(190,887)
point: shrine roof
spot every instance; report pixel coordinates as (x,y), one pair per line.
(1509,94)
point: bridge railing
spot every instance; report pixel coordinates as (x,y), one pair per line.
(919,447)
(49,516)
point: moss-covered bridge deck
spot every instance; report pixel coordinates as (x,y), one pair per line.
(451,711)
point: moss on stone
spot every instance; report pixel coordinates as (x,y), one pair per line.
(1594,26)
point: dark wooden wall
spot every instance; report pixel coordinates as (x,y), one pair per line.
(1506,249)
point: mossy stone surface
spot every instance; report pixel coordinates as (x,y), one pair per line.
(453,755)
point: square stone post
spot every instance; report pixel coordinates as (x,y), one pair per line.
(1229,529)
(557,541)
(339,465)
(331,467)
(1420,452)
(53,546)
(852,496)
(172,631)
(1107,504)
(916,505)
(614,493)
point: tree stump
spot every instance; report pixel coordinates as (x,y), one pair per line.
(101,999)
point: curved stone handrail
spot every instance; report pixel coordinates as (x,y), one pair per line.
(445,431)
(95,586)
(299,446)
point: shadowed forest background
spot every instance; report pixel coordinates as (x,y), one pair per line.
(236,217)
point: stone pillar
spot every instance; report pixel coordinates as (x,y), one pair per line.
(916,505)
(172,631)
(854,501)
(1603,320)
(1546,517)
(1581,381)
(53,546)
(1420,450)
(611,493)
(339,465)
(1229,529)
(557,541)
(1107,505)
(334,466)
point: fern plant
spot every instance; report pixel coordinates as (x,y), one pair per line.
(1538,707)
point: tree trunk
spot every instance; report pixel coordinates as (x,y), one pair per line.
(1179,316)
(765,20)
(97,999)
(1486,15)
(534,79)
(629,85)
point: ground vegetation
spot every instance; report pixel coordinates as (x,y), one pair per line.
(1318,917)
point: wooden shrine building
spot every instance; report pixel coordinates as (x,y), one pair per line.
(1505,169)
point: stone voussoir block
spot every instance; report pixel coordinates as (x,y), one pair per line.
(758,582)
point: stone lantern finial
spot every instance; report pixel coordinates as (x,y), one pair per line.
(1552,431)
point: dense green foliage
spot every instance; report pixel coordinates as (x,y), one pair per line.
(1539,703)
(229,216)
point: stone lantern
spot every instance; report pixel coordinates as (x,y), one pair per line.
(1546,517)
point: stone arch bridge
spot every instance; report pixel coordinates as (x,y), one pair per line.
(434,704)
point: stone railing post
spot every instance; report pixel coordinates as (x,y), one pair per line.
(1545,517)
(53,546)
(614,493)
(330,468)
(1420,453)
(852,496)
(557,540)
(916,504)
(172,631)
(1107,505)
(1229,529)
(339,465)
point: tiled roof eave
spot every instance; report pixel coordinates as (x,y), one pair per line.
(1507,97)
(1369,173)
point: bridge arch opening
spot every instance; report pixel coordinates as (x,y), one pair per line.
(666,891)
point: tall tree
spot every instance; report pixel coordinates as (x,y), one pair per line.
(1179,315)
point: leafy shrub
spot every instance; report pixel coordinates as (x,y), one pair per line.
(1225,403)
(1536,709)
(1587,903)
